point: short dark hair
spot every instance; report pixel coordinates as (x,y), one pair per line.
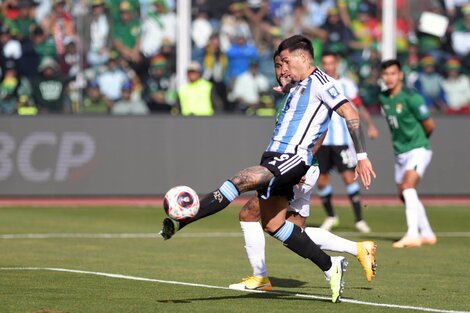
(388,63)
(296,42)
(276,54)
(329,54)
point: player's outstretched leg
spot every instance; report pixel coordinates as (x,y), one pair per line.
(210,204)
(363,251)
(366,256)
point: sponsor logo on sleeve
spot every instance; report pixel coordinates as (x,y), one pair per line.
(333,92)
(423,109)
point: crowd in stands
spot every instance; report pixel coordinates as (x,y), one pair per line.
(119,56)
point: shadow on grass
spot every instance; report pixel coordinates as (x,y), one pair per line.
(286,282)
(267,296)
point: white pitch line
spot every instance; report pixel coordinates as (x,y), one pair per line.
(201,235)
(120,276)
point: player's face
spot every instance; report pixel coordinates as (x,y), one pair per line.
(329,64)
(278,67)
(392,76)
(294,64)
(281,79)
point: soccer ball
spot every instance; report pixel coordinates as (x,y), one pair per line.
(181,202)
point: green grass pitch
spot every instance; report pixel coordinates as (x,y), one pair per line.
(157,273)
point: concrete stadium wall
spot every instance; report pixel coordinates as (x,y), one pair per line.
(145,156)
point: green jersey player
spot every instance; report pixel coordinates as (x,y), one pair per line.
(410,126)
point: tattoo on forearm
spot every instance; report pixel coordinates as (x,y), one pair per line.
(252,178)
(357,135)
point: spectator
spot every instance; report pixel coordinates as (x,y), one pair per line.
(9,88)
(337,37)
(24,23)
(367,33)
(429,44)
(457,88)
(256,13)
(112,78)
(94,102)
(215,68)
(249,87)
(42,10)
(9,9)
(49,88)
(72,62)
(453,7)
(201,30)
(280,9)
(115,11)
(96,37)
(232,24)
(44,45)
(195,97)
(60,25)
(318,11)
(299,22)
(429,85)
(25,107)
(127,105)
(461,36)
(126,37)
(159,91)
(158,27)
(239,56)
(10,47)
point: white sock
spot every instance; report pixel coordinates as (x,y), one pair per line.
(423,222)
(329,241)
(412,204)
(254,246)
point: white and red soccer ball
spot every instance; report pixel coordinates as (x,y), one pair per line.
(181,202)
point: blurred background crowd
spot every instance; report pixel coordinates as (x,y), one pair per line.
(119,57)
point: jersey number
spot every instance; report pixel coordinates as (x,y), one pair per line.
(393,121)
(281,158)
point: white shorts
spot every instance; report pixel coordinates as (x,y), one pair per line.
(301,202)
(417,159)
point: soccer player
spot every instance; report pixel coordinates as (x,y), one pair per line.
(336,151)
(301,123)
(298,212)
(410,126)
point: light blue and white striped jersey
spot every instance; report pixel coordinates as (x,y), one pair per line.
(338,134)
(306,115)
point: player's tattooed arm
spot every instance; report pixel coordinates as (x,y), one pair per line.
(252,178)
(354,126)
(357,136)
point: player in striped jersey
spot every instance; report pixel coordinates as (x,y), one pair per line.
(298,212)
(301,123)
(337,151)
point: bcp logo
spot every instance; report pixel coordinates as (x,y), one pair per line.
(71,150)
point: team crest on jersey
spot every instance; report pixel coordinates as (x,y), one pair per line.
(399,108)
(333,92)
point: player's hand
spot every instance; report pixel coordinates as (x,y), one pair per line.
(372,132)
(365,171)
